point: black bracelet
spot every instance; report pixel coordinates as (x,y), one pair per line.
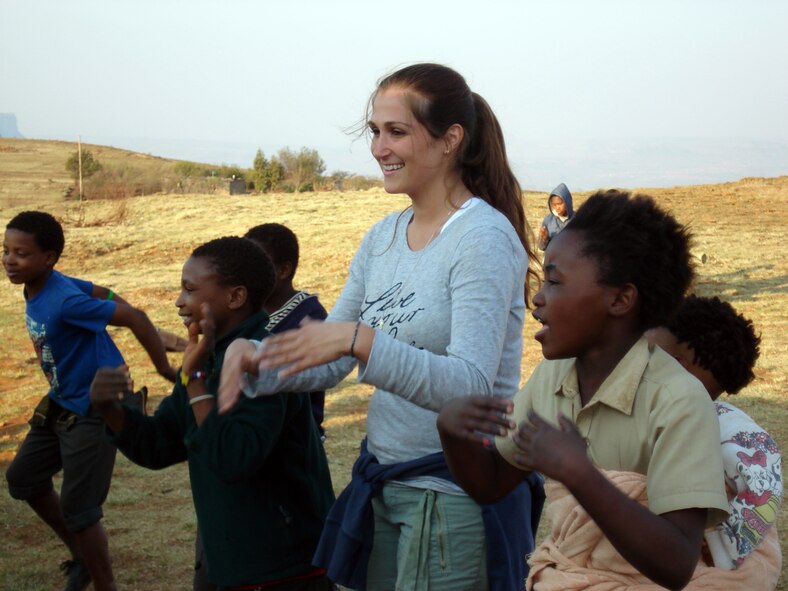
(353,342)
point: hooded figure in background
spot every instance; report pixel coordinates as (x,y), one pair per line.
(560,204)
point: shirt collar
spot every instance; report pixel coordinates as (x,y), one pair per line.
(251,328)
(619,388)
(246,329)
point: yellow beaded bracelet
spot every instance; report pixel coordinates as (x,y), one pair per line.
(197,375)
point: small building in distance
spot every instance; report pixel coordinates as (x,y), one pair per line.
(237,186)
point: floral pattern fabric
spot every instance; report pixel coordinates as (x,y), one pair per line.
(753,477)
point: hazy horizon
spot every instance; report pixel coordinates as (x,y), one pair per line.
(597,94)
(589,165)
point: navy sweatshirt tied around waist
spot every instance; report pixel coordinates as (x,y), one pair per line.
(346,543)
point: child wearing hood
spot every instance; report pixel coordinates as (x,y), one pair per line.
(560,204)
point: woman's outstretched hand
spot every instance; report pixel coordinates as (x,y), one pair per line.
(313,343)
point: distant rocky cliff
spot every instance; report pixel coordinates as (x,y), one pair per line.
(8,126)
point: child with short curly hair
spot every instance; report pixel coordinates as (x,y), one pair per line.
(287,307)
(713,342)
(720,347)
(259,475)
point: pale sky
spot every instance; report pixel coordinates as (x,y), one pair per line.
(591,93)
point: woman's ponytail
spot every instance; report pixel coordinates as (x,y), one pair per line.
(486,172)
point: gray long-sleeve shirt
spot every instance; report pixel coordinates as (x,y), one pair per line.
(449,322)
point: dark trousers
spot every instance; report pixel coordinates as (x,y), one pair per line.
(313,584)
(201,582)
(61,440)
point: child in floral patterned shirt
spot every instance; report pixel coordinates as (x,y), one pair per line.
(720,347)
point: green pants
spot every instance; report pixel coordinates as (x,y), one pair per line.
(426,541)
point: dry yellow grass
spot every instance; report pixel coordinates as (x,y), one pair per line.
(149,516)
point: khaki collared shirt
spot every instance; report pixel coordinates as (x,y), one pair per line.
(649,416)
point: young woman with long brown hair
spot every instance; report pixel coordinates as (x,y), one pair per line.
(433,309)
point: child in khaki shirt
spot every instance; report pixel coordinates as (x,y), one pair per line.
(615,425)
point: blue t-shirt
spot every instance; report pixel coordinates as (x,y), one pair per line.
(82,284)
(68,330)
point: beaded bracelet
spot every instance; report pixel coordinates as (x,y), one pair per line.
(197,375)
(355,335)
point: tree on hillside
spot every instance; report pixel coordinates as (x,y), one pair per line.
(187,169)
(231,171)
(266,174)
(335,180)
(90,165)
(302,168)
(276,172)
(260,173)
(342,180)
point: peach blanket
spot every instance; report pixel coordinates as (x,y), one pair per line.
(576,555)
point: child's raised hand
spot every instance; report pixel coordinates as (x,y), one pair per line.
(198,349)
(109,385)
(171,341)
(556,453)
(239,358)
(469,418)
(107,390)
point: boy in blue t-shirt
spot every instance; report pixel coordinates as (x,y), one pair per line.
(68,329)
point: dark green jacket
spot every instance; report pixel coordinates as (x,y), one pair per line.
(259,475)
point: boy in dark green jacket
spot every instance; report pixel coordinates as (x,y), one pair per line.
(259,475)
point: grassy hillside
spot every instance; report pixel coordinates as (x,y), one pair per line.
(137,247)
(33,172)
